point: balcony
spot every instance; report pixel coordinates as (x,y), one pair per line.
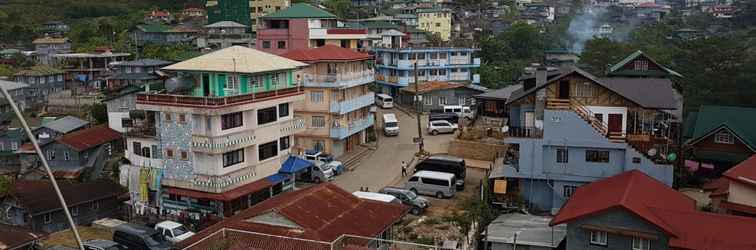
(215,102)
(293,126)
(269,32)
(223,143)
(347,106)
(338,33)
(338,80)
(353,127)
(142,131)
(525,132)
(138,160)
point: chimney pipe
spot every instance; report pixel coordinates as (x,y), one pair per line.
(541,72)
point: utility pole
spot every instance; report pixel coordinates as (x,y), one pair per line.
(418,110)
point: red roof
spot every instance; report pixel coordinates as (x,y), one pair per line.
(321,213)
(88,138)
(737,207)
(632,190)
(744,172)
(226,196)
(326,53)
(700,230)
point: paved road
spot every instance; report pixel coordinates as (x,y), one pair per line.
(383,167)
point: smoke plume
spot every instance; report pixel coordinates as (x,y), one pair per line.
(584,26)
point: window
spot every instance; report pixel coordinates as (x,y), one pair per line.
(724,137)
(50,155)
(598,238)
(14,145)
(316,96)
(318,122)
(232,120)
(442,100)
(274,79)
(596,156)
(268,150)
(283,110)
(233,157)
(184,155)
(567,191)
(146,152)
(182,118)
(438,24)
(462,100)
(641,65)
(75,211)
(284,143)
(47,218)
(584,89)
(599,117)
(266,115)
(436,182)
(562,155)
(318,145)
(427,100)
(641,244)
(266,45)
(169,153)
(66,156)
(167,117)
(281,44)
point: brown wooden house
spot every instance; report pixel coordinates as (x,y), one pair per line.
(720,137)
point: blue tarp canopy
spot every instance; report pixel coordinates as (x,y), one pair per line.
(294,164)
(277,178)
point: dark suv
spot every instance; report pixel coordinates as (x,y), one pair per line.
(140,237)
(447,164)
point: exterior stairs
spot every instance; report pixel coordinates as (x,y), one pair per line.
(353,159)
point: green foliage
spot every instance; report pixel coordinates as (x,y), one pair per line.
(99,112)
(344,9)
(600,53)
(6,70)
(506,54)
(174,52)
(6,183)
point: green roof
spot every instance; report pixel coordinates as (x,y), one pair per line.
(300,10)
(39,70)
(432,10)
(615,69)
(739,120)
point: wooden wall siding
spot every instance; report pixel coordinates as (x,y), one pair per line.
(708,144)
(601,95)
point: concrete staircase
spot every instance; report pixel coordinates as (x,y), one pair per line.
(353,159)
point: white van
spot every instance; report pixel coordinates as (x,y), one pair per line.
(390,125)
(461,111)
(384,101)
(377,197)
(438,184)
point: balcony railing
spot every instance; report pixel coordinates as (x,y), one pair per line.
(347,106)
(343,80)
(215,102)
(293,126)
(143,131)
(223,143)
(352,128)
(525,132)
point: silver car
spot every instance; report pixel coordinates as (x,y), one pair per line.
(438,127)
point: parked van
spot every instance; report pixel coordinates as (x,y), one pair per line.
(139,237)
(390,125)
(449,117)
(447,164)
(438,184)
(377,197)
(460,111)
(384,101)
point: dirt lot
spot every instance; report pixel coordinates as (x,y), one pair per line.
(66,238)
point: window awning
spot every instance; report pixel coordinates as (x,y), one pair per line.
(277,178)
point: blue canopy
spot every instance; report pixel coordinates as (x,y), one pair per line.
(277,178)
(294,164)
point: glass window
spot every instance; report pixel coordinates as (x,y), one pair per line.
(596,156)
(232,120)
(283,110)
(66,156)
(266,115)
(47,218)
(641,244)
(285,143)
(268,150)
(168,117)
(316,96)
(50,155)
(427,100)
(584,89)
(184,155)
(318,145)
(266,44)
(318,122)
(568,191)
(724,137)
(598,238)
(281,44)
(442,100)
(562,155)
(233,157)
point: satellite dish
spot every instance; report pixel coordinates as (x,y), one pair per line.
(652,152)
(505,129)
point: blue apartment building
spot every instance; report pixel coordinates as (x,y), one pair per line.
(576,128)
(394,66)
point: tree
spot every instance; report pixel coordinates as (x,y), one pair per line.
(6,183)
(341,8)
(6,70)
(600,53)
(99,112)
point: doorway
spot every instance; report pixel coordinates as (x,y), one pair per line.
(615,124)
(205,85)
(564,90)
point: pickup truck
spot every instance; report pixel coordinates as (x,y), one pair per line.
(173,231)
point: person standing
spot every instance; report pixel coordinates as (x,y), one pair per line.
(404,169)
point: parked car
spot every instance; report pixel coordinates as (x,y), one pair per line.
(447,164)
(438,127)
(173,231)
(140,237)
(449,117)
(438,184)
(102,245)
(407,197)
(315,155)
(390,125)
(461,111)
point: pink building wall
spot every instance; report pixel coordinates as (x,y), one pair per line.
(296,37)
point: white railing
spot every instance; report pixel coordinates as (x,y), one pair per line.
(339,80)
(222,143)
(350,105)
(293,126)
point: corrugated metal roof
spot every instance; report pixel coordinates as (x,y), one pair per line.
(66,124)
(236,59)
(39,197)
(89,138)
(225,24)
(13,85)
(39,70)
(325,53)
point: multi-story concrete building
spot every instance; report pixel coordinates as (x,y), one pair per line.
(216,135)
(47,47)
(257,9)
(337,99)
(225,34)
(394,66)
(576,128)
(42,81)
(436,21)
(304,26)
(137,72)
